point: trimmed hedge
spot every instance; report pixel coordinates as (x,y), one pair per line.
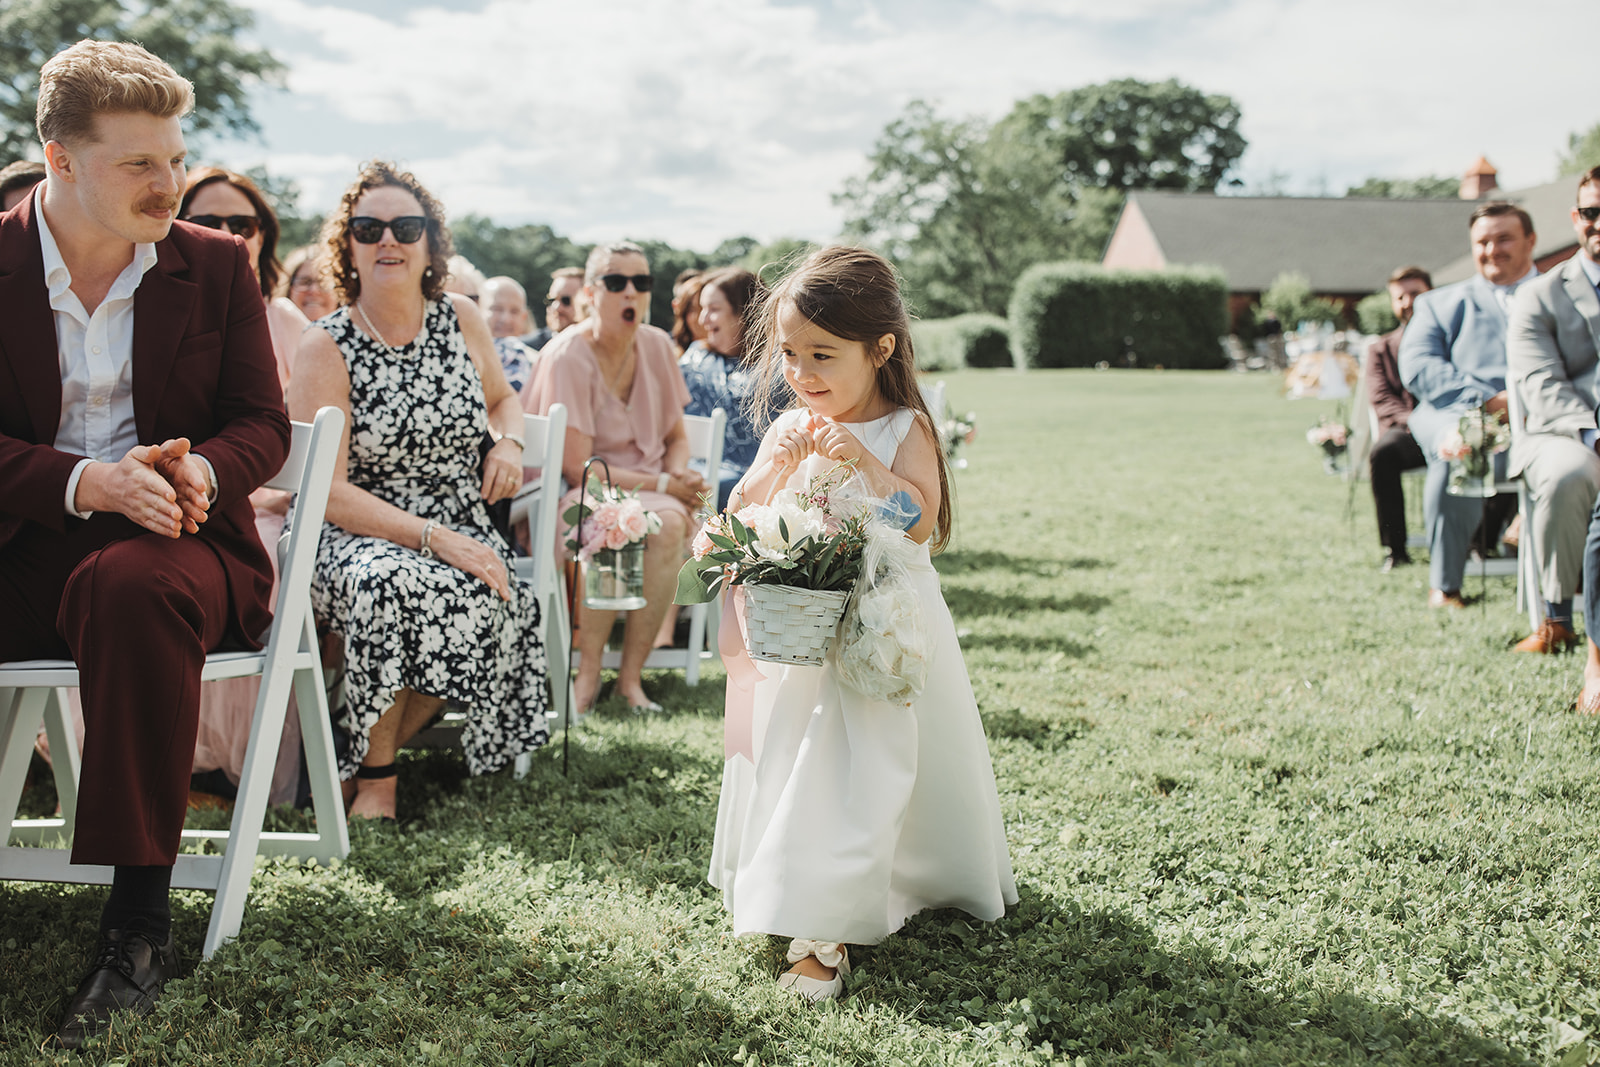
(974,340)
(1080,314)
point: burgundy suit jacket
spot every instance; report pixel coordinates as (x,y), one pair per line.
(203,368)
(1384,388)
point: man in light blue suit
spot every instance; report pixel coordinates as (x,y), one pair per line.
(1452,359)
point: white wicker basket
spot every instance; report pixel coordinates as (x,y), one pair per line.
(787,624)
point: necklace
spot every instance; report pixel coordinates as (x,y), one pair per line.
(373,330)
(611,384)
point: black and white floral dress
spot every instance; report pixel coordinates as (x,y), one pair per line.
(417,423)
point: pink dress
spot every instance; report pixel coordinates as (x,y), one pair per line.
(631,436)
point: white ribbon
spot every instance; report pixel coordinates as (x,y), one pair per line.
(828,953)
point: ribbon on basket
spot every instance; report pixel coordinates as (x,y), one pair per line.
(738,716)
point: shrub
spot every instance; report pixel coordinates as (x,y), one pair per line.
(1079,314)
(974,340)
(1374,315)
(1289,297)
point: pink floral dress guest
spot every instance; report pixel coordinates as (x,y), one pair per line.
(629,436)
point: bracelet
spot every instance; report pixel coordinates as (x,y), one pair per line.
(425,549)
(522,446)
(662,481)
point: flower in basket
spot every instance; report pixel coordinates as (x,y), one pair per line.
(800,540)
(612,519)
(1472,446)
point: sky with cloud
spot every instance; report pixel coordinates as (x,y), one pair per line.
(695,120)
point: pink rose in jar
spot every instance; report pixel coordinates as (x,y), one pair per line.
(632,519)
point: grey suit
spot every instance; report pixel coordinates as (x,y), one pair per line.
(1551,357)
(1452,358)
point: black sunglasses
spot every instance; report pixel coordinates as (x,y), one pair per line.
(1588,214)
(246,226)
(407,229)
(615,283)
(564,301)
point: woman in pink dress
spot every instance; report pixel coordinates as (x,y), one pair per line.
(222,199)
(619,379)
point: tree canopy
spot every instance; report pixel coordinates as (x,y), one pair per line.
(964,207)
(1583,151)
(200,38)
(1432,186)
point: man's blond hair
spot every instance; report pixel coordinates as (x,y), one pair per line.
(105,77)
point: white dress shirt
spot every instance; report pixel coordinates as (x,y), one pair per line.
(95,355)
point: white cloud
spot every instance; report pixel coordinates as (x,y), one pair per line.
(702,119)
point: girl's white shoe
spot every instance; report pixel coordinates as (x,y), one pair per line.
(829,954)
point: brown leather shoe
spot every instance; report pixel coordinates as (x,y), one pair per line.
(1438,598)
(127,974)
(1551,636)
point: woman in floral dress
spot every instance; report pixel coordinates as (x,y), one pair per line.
(410,571)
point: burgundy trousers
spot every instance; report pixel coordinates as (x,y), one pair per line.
(138,612)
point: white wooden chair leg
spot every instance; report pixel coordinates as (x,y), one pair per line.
(65,760)
(697,634)
(27,709)
(250,809)
(316,737)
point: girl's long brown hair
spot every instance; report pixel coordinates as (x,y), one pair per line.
(851,293)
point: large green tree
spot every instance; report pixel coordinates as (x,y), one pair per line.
(200,38)
(964,207)
(1583,151)
(527,253)
(1130,134)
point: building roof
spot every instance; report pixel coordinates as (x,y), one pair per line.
(1550,205)
(1342,244)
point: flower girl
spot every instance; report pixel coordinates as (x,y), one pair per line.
(848,807)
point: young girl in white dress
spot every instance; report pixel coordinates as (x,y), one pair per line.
(843,815)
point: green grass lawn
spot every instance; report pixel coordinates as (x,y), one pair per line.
(1264,807)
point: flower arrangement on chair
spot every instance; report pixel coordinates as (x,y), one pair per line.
(610,543)
(1333,437)
(1471,448)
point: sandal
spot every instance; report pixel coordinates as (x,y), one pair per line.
(829,954)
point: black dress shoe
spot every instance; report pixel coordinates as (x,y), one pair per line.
(127,974)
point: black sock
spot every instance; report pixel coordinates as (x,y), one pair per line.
(140,900)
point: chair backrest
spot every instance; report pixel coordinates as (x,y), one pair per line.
(545,448)
(706,434)
(308,473)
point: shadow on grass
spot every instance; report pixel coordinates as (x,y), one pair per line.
(976,603)
(984,559)
(1099,984)
(1026,643)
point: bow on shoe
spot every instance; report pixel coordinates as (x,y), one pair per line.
(828,953)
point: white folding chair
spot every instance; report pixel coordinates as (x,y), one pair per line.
(705,433)
(36,689)
(536,504)
(933,396)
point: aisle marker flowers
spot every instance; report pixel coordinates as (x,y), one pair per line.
(612,519)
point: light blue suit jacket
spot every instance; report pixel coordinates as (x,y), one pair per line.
(1453,353)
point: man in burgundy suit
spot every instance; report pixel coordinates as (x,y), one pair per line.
(1395,451)
(139,407)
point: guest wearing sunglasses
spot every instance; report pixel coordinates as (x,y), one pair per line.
(619,379)
(562,306)
(224,200)
(411,572)
(306,282)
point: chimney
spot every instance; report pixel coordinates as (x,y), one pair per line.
(1478,182)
